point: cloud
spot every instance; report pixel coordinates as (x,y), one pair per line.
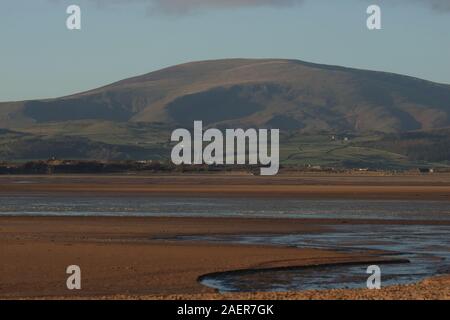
(186,6)
(181,7)
(437,5)
(440,5)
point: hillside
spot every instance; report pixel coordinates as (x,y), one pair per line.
(275,93)
(133,117)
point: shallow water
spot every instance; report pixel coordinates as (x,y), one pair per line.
(224,207)
(426,247)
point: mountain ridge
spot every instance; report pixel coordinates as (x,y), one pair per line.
(283,93)
(329,115)
(290,94)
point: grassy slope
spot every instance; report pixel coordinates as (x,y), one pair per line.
(281,93)
(107,140)
(322,150)
(231,93)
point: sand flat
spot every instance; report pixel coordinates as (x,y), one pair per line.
(135,257)
(370,186)
(127,255)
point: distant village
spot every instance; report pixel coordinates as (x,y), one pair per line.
(57,166)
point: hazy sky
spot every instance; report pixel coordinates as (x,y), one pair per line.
(40,58)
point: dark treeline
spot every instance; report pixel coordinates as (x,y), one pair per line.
(69,166)
(105,167)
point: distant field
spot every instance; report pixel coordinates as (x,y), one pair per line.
(137,141)
(334,151)
(378,120)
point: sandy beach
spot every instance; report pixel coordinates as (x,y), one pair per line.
(139,258)
(321,186)
(129,256)
(437,288)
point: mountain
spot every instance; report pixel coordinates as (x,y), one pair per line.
(387,120)
(286,94)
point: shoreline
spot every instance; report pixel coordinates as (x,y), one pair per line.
(370,187)
(136,257)
(129,255)
(122,255)
(434,288)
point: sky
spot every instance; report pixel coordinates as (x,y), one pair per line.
(41,58)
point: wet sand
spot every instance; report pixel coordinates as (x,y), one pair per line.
(128,256)
(336,186)
(437,288)
(135,258)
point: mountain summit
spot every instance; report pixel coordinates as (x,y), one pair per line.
(285,94)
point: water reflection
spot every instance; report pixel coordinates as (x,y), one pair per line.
(426,247)
(224,207)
